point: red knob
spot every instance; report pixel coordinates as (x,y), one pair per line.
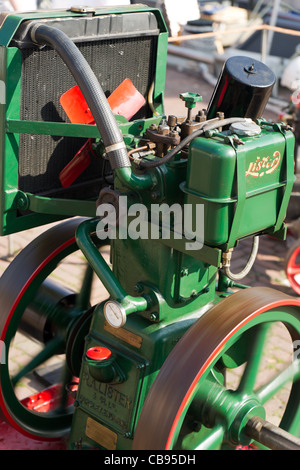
(98,353)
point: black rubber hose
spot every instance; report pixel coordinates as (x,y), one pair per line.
(208,125)
(90,88)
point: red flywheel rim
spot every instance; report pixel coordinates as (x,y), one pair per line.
(293,269)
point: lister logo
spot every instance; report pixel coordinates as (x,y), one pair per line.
(264,166)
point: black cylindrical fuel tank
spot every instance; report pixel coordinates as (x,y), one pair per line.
(243,89)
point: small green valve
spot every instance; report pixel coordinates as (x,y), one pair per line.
(190,101)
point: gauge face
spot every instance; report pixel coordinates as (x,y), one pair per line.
(114,313)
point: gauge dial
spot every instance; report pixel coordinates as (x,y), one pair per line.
(114,313)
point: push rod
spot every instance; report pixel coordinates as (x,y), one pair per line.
(84,238)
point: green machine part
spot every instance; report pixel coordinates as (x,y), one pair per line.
(179,285)
(243,186)
(151,359)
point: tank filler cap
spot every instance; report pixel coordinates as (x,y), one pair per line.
(98,353)
(247,128)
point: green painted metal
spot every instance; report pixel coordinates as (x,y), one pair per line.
(66,129)
(163,285)
(63,207)
(11,21)
(186,285)
(139,363)
(245,202)
(132,181)
(217,415)
(234,408)
(102,270)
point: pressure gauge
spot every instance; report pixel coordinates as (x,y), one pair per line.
(114,313)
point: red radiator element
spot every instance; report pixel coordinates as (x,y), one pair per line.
(77,165)
(76,107)
(126,100)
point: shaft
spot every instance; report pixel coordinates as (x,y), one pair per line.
(271,436)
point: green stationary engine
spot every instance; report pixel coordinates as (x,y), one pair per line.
(84,138)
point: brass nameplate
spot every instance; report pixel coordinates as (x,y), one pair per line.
(100,434)
(124,335)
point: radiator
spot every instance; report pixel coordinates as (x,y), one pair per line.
(117,45)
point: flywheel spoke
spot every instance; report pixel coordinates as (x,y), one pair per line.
(267,391)
(255,355)
(293,270)
(213,440)
(52,348)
